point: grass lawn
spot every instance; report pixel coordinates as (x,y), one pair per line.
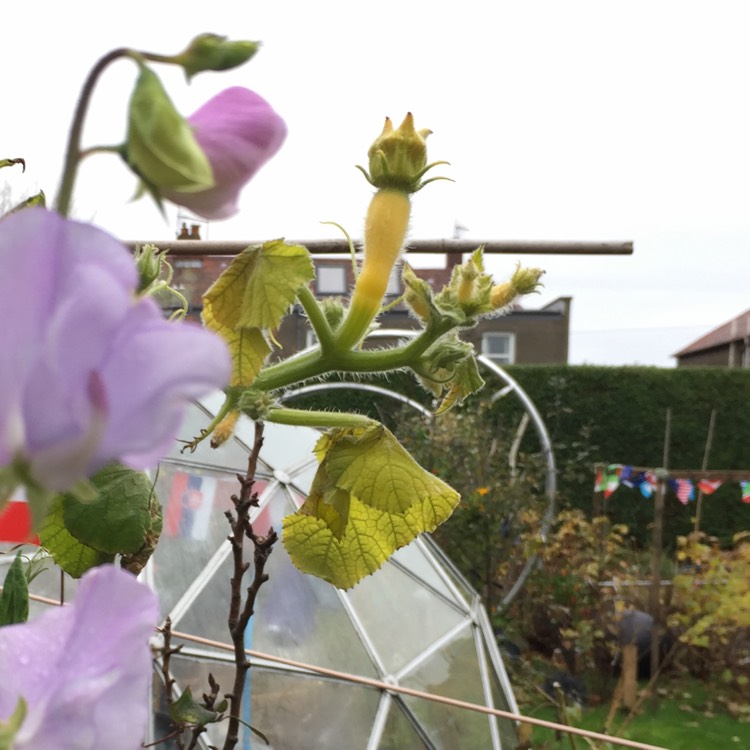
(685,716)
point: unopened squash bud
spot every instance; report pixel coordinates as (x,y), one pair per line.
(148,260)
(225,429)
(398,158)
(523,281)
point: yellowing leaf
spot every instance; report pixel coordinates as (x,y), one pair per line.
(276,272)
(368,499)
(222,308)
(253,294)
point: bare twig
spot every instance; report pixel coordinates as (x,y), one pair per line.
(239,612)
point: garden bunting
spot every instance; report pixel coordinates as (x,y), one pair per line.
(610,478)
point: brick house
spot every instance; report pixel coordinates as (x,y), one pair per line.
(521,336)
(725,346)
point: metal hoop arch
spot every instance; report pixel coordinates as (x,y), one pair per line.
(550,485)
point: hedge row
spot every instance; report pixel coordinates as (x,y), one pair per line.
(617,415)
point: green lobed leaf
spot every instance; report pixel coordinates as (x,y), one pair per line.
(253,294)
(368,499)
(277,271)
(14,600)
(74,557)
(120,518)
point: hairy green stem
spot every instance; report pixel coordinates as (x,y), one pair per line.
(316,363)
(317,319)
(304,418)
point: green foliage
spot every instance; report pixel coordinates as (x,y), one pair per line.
(470,452)
(125,519)
(14,599)
(369,497)
(710,607)
(621,413)
(252,294)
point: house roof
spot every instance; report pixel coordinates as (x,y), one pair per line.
(733,330)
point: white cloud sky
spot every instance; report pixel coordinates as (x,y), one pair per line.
(575,120)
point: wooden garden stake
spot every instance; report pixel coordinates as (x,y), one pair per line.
(654,599)
(704,466)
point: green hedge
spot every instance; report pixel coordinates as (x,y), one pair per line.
(617,415)
(621,413)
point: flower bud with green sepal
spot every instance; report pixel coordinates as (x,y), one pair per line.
(214,52)
(256,404)
(523,281)
(160,147)
(149,261)
(398,158)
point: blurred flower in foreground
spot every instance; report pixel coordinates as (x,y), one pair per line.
(78,675)
(238,132)
(88,372)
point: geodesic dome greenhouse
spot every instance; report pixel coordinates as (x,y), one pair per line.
(415,623)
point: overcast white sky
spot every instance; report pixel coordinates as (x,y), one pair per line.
(562,120)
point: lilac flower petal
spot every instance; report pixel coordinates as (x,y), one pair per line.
(239,132)
(70,319)
(83,669)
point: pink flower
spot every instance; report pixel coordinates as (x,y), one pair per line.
(88,372)
(82,670)
(239,132)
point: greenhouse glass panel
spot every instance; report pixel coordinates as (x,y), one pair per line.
(413,623)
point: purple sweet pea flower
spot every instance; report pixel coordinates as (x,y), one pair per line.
(84,669)
(239,132)
(88,372)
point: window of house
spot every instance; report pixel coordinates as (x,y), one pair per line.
(394,282)
(331,279)
(499,347)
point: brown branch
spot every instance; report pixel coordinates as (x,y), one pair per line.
(239,613)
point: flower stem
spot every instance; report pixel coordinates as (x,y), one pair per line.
(73,152)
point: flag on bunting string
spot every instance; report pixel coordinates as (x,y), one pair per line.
(627,476)
(684,490)
(648,484)
(15,521)
(607,481)
(709,486)
(745,487)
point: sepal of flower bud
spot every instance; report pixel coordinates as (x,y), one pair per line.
(160,147)
(417,295)
(214,52)
(398,157)
(523,281)
(256,404)
(468,292)
(333,311)
(449,370)
(149,261)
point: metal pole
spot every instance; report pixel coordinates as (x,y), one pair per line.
(438,246)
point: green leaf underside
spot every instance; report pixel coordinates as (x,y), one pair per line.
(74,557)
(251,295)
(275,273)
(14,599)
(368,499)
